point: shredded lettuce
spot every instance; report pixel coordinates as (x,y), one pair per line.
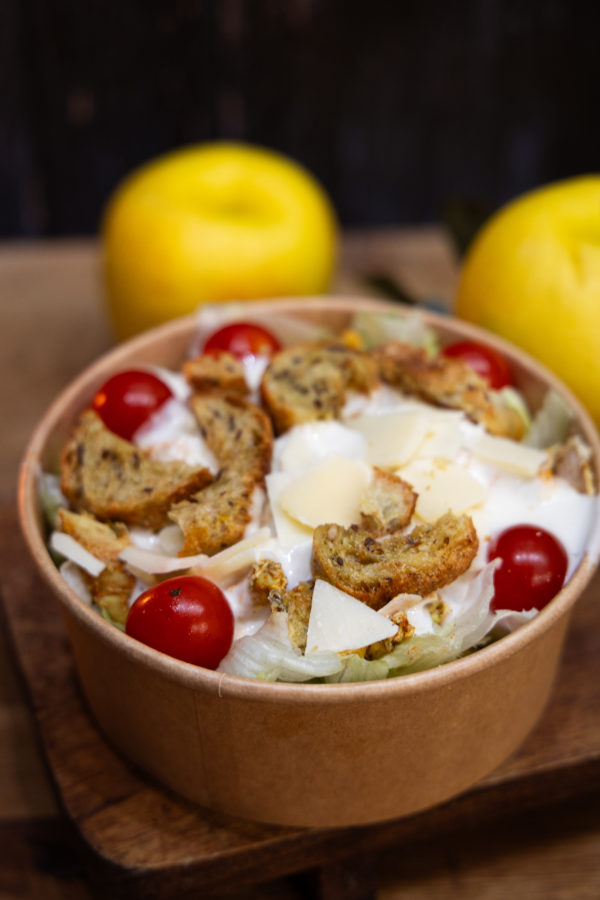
(466,628)
(551,423)
(287,328)
(377,328)
(51,497)
(269,656)
(514,399)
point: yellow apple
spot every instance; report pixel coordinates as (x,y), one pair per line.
(213,222)
(532,275)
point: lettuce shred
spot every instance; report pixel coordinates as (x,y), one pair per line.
(377,328)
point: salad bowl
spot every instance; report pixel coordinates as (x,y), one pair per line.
(317,754)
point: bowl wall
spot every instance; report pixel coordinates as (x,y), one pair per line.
(305,755)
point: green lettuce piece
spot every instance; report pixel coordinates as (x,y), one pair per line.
(106,615)
(514,399)
(551,424)
(51,497)
(375,328)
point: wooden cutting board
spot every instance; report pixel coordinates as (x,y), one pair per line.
(144,832)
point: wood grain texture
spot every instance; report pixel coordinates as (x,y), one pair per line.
(144,830)
(482,846)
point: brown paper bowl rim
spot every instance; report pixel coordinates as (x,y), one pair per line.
(196,677)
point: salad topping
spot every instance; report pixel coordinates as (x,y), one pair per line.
(408,511)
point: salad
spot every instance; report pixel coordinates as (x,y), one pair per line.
(293,505)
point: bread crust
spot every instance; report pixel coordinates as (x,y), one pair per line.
(447,382)
(374,571)
(388,505)
(111,478)
(240,436)
(308,382)
(112,588)
(216,371)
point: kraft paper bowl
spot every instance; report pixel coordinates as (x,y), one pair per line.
(305,755)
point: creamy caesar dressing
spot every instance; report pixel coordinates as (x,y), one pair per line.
(320,470)
(319,473)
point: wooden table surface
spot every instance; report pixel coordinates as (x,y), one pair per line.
(51,325)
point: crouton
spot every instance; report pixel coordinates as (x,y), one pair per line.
(240,436)
(266,576)
(388,504)
(374,571)
(309,382)
(111,589)
(104,474)
(218,371)
(450,383)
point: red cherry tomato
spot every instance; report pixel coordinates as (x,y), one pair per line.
(243,339)
(533,570)
(186,617)
(127,400)
(488,363)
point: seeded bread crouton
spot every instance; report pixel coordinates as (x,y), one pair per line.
(309,382)
(297,604)
(374,571)
(106,475)
(388,504)
(217,516)
(573,462)
(266,575)
(237,432)
(104,540)
(218,371)
(112,588)
(405,631)
(447,382)
(240,436)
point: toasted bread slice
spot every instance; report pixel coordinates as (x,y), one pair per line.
(217,516)
(104,540)
(381,648)
(218,371)
(106,475)
(573,462)
(309,382)
(266,576)
(238,432)
(297,604)
(388,504)
(374,571)
(240,436)
(111,589)
(450,383)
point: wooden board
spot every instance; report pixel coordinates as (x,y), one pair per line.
(143,832)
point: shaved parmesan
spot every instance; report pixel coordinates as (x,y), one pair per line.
(340,622)
(392,438)
(289,532)
(74,578)
(443,438)
(329,492)
(159,563)
(228,561)
(509,455)
(233,560)
(443,486)
(71,549)
(306,445)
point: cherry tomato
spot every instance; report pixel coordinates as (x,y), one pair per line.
(488,363)
(127,400)
(533,570)
(243,339)
(186,617)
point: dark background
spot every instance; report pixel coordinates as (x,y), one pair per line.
(415,111)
